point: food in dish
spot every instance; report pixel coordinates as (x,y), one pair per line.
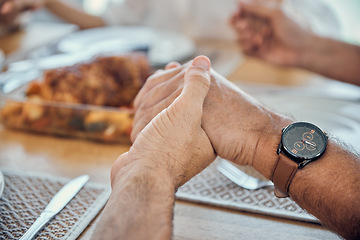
(88,100)
(105,81)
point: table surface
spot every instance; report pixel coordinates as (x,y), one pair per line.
(72,157)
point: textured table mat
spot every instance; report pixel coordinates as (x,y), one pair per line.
(212,188)
(26,195)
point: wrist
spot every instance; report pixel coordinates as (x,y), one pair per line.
(144,195)
(126,168)
(266,156)
(310,52)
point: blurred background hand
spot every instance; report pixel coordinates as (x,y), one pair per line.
(265,30)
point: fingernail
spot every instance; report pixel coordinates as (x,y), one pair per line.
(202,62)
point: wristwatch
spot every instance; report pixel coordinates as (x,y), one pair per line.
(301,143)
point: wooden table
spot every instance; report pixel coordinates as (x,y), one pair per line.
(72,157)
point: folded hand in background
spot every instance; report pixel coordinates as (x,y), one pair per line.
(266,30)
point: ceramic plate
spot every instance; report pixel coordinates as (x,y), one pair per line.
(162,46)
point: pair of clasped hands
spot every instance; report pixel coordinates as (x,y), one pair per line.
(187,114)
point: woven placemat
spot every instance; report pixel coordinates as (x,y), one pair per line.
(26,195)
(212,188)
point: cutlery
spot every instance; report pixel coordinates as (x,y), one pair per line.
(239,177)
(57,203)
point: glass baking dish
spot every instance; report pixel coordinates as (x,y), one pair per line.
(105,124)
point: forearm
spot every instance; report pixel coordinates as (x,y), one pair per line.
(329,189)
(140,206)
(73,15)
(333,59)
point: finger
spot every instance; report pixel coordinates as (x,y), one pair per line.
(144,116)
(196,87)
(247,45)
(158,72)
(197,80)
(151,111)
(172,65)
(161,91)
(258,39)
(155,79)
(238,13)
(265,30)
(245,35)
(242,24)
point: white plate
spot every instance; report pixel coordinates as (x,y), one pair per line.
(163,46)
(1,184)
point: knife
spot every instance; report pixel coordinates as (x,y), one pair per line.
(57,203)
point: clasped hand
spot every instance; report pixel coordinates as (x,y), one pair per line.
(187,113)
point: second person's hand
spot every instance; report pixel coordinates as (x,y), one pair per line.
(265,30)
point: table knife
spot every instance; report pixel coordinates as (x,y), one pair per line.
(57,203)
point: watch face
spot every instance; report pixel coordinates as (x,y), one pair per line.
(303,141)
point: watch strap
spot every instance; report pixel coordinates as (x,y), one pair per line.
(283,175)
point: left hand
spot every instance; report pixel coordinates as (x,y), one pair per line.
(173,144)
(265,30)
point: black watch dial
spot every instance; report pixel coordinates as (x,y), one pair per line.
(303,141)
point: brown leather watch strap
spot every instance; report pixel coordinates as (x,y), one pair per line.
(283,174)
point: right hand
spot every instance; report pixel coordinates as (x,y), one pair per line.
(265,30)
(240,129)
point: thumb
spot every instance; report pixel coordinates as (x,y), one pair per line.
(197,82)
(189,104)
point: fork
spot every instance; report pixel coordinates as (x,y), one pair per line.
(239,177)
